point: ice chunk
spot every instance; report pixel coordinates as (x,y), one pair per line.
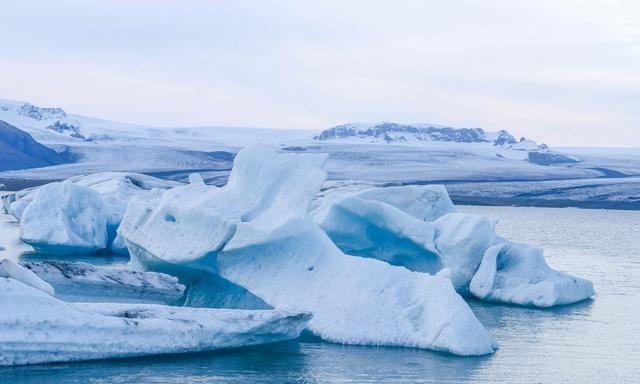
(374,228)
(196,178)
(425,202)
(518,274)
(115,189)
(65,218)
(39,328)
(15,271)
(255,233)
(461,240)
(193,222)
(370,228)
(87,282)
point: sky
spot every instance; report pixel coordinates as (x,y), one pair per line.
(563,72)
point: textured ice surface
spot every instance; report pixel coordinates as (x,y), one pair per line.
(39,328)
(354,300)
(15,271)
(114,190)
(255,233)
(65,218)
(79,281)
(425,202)
(461,240)
(518,274)
(388,224)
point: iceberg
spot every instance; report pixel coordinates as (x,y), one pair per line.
(39,328)
(63,205)
(65,218)
(255,234)
(389,224)
(116,189)
(518,274)
(79,281)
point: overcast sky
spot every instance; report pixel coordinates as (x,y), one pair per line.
(564,72)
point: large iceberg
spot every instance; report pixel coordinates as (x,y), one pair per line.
(82,214)
(255,235)
(518,274)
(39,328)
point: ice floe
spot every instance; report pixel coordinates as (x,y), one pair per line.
(79,281)
(62,210)
(518,274)
(39,328)
(65,218)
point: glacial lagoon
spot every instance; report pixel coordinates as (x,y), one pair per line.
(590,342)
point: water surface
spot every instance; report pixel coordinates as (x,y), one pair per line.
(596,341)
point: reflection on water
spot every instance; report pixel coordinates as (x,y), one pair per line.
(591,342)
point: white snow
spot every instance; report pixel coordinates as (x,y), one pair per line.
(65,218)
(38,328)
(518,274)
(255,233)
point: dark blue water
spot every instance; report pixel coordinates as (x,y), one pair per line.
(597,341)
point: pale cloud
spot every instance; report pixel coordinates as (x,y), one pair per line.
(563,72)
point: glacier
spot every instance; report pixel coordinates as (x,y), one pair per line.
(255,233)
(39,328)
(518,274)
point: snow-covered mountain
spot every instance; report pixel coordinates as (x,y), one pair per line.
(388,132)
(381,154)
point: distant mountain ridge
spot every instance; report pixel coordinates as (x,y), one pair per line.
(402,133)
(51,119)
(18,150)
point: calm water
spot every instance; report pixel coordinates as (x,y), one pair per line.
(592,342)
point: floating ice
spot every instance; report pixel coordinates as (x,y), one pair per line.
(387,224)
(518,274)
(38,328)
(79,281)
(114,189)
(354,300)
(255,235)
(65,218)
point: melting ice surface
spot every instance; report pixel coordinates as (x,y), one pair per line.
(590,342)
